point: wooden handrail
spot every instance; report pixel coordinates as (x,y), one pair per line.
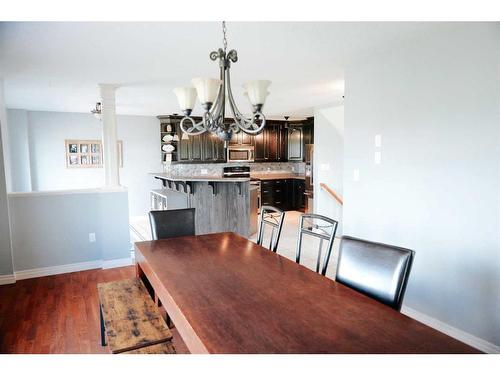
(326,188)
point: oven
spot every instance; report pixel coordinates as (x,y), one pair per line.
(238,154)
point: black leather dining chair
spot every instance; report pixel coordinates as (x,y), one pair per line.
(272,217)
(321,227)
(172,223)
(377,270)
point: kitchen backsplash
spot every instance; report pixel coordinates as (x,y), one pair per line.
(216,169)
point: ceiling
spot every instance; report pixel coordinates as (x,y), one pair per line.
(57,66)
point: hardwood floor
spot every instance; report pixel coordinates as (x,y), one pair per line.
(57,314)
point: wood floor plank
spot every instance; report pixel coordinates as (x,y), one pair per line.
(58,314)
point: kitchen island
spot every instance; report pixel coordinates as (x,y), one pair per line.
(222,204)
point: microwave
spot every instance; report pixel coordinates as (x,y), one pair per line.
(238,154)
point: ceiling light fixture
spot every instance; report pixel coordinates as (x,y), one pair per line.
(213,92)
(97,111)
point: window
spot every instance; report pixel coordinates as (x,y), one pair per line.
(87,153)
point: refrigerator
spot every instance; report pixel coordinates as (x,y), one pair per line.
(309,188)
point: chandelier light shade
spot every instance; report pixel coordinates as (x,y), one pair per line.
(257,91)
(215,95)
(186,96)
(207,89)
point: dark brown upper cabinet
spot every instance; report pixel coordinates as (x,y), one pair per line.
(271,144)
(242,139)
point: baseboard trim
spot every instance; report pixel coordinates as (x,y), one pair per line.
(67,268)
(7,279)
(456,333)
(56,270)
(114,263)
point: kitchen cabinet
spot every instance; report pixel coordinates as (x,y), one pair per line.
(242,139)
(308,128)
(203,148)
(276,143)
(271,145)
(295,143)
(212,148)
(298,197)
(287,194)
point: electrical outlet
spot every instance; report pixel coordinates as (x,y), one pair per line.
(204,171)
(91,237)
(325,166)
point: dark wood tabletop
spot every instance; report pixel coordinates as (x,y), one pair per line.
(225,294)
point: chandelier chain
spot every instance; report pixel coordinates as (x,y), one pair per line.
(224,31)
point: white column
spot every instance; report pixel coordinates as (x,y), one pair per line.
(109,136)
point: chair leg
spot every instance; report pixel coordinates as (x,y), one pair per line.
(103,333)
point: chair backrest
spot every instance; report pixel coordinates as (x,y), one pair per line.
(375,269)
(273,217)
(321,227)
(172,223)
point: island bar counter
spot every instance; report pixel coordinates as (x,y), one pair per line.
(222,204)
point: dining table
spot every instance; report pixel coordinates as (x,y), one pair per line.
(226,294)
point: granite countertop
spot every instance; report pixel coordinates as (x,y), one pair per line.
(200,178)
(276,176)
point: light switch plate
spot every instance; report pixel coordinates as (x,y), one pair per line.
(204,171)
(378,157)
(325,166)
(91,237)
(378,140)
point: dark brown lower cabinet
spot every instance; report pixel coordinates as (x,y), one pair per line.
(287,194)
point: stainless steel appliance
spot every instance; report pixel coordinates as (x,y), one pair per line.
(309,188)
(236,171)
(238,154)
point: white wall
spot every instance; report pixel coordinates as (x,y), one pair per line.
(52,229)
(20,169)
(436,103)
(6,267)
(328,160)
(47,132)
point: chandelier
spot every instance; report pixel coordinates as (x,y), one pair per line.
(97,111)
(214,94)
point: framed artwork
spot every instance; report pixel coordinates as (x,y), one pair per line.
(87,153)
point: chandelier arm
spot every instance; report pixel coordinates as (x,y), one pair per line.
(238,116)
(216,114)
(218,107)
(195,129)
(242,121)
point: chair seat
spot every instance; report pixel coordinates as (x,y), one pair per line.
(131,318)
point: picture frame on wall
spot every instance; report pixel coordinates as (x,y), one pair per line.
(88,153)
